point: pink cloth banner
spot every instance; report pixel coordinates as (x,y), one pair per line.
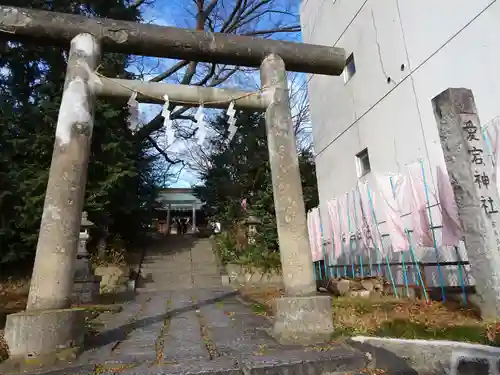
(395,224)
(492,135)
(344,218)
(452,229)
(333,214)
(314,230)
(362,228)
(351,209)
(375,217)
(371,232)
(418,206)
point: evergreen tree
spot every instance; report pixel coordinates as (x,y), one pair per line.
(120,187)
(241,170)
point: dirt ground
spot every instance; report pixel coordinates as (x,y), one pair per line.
(13,297)
(262,298)
(391,317)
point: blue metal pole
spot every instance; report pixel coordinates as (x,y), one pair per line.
(323,249)
(415,262)
(360,256)
(461,276)
(334,256)
(441,279)
(333,270)
(405,275)
(351,255)
(375,223)
(342,243)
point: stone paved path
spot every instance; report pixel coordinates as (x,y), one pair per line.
(185,263)
(184,322)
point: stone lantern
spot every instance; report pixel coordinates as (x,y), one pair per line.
(252,222)
(86,284)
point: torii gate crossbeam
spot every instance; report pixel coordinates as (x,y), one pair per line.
(161,41)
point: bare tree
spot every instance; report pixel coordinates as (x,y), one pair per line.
(260,18)
(197,159)
(300,108)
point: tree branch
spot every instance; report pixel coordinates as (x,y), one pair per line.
(138,3)
(163,153)
(207,77)
(174,68)
(210,8)
(290,29)
(231,17)
(242,18)
(185,117)
(218,80)
(190,72)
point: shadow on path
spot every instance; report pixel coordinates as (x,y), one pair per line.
(160,249)
(384,359)
(168,245)
(121,333)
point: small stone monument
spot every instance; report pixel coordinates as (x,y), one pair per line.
(478,203)
(86,284)
(252,222)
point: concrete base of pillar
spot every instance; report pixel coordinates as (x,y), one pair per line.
(303,320)
(31,334)
(86,290)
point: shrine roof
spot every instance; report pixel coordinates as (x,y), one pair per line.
(178,198)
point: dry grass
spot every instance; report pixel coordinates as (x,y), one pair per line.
(4,350)
(262,298)
(412,319)
(402,318)
(13,297)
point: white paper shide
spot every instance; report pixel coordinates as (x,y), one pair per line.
(231,112)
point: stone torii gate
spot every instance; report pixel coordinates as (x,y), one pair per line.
(302,316)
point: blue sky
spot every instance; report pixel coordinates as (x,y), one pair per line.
(178,13)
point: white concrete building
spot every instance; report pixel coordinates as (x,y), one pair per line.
(402,53)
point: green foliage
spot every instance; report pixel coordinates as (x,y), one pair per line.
(401,328)
(225,245)
(248,255)
(257,256)
(120,186)
(241,170)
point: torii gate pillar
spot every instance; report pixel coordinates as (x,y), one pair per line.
(301,315)
(49,324)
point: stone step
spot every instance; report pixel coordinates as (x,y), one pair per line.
(184,341)
(167,268)
(168,271)
(206,277)
(159,289)
(169,264)
(165,276)
(168,284)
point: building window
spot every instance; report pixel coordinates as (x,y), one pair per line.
(350,68)
(363,163)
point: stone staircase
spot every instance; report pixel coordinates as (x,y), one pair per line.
(177,263)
